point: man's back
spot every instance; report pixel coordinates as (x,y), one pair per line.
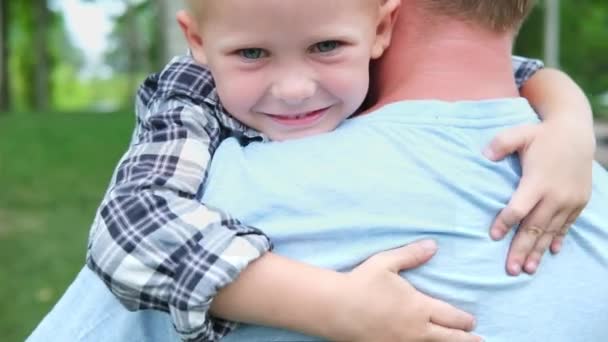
(413,170)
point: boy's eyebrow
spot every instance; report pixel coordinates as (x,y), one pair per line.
(235,42)
(331,32)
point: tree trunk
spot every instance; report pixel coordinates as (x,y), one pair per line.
(161,32)
(133,47)
(552,28)
(4,56)
(42,85)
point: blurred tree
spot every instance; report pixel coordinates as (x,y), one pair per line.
(163,9)
(23,54)
(552,30)
(40,45)
(4,56)
(584,41)
(176,44)
(137,44)
(30,60)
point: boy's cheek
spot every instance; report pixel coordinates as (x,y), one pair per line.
(238,94)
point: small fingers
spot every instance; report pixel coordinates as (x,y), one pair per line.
(528,235)
(521,204)
(438,333)
(448,316)
(406,257)
(509,141)
(558,241)
(554,229)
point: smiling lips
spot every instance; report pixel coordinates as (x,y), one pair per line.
(299,119)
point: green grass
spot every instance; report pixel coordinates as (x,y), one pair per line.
(54,169)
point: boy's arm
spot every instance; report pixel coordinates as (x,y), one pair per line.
(556,159)
(152,242)
(370,303)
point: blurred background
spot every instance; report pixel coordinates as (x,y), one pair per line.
(68,73)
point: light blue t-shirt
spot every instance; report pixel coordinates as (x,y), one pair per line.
(415,170)
(408,171)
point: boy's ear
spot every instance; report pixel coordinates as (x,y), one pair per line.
(389,10)
(190,29)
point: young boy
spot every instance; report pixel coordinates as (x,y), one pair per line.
(275,70)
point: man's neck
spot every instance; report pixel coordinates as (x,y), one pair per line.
(451,62)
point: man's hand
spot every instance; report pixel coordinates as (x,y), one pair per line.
(393,310)
(554,188)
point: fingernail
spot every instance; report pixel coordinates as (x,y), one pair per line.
(559,248)
(496,234)
(515,269)
(531,267)
(489,153)
(429,245)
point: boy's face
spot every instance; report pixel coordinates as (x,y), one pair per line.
(290,68)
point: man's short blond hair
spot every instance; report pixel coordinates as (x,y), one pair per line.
(496,15)
(196,8)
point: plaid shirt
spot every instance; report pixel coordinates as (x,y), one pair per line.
(154,244)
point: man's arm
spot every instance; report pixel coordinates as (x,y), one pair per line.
(153,243)
(556,159)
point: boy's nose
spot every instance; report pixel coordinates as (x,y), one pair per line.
(294,90)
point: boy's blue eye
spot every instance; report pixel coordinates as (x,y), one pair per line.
(252,53)
(326,46)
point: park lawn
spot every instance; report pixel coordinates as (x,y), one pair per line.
(54,169)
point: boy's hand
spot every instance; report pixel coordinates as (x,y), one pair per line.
(554,188)
(392,309)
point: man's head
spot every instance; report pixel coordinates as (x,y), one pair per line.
(454,50)
(289,68)
(495,15)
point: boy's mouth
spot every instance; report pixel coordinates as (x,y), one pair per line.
(299,119)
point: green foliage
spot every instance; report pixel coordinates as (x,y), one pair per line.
(136,45)
(134,40)
(584,43)
(73,93)
(22,59)
(54,169)
(25,54)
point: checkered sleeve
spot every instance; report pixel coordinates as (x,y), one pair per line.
(152,242)
(525,68)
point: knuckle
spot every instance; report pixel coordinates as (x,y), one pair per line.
(533,231)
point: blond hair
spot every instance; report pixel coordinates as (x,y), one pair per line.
(196,8)
(496,15)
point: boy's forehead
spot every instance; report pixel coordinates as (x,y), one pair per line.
(212,8)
